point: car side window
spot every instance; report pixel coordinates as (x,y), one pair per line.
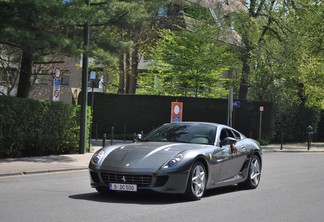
(226,133)
(203,134)
(237,135)
(223,135)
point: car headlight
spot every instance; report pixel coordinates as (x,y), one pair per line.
(97,156)
(174,161)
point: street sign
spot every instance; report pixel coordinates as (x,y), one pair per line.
(93,75)
(261,108)
(56,84)
(56,95)
(237,104)
(176,112)
(57,73)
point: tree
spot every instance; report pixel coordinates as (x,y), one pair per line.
(135,30)
(118,30)
(9,71)
(253,25)
(191,62)
(283,48)
(36,28)
(306,44)
(287,61)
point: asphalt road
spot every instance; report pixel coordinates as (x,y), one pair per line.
(291,189)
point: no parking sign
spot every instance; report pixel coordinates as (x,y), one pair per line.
(176,112)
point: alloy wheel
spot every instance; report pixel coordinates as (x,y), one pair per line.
(198,180)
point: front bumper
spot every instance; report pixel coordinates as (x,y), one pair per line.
(171,182)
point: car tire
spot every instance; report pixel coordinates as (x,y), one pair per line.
(103,190)
(197,182)
(254,174)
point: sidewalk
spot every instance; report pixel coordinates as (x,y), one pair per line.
(294,147)
(45,164)
(57,163)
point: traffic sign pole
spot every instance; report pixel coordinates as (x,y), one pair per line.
(84,89)
(261,111)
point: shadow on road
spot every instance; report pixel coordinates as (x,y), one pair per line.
(149,198)
(221,191)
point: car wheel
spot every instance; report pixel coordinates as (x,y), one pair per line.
(196,182)
(254,174)
(103,190)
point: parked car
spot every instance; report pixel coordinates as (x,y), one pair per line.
(186,158)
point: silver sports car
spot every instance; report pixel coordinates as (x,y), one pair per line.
(186,158)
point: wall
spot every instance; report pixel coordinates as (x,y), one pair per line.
(135,113)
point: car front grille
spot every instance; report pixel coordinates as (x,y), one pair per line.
(138,179)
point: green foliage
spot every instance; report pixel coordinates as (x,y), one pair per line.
(292,122)
(320,130)
(263,142)
(39,25)
(31,127)
(115,26)
(189,63)
(287,61)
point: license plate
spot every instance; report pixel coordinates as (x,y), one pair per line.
(123,187)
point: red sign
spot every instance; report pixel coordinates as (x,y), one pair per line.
(176,112)
(57,73)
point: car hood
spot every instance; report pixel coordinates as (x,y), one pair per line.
(142,155)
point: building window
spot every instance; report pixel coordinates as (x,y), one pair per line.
(65,79)
(42,78)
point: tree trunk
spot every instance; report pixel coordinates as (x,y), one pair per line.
(245,76)
(127,70)
(134,75)
(24,83)
(121,84)
(301,94)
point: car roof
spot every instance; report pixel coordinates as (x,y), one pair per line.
(202,123)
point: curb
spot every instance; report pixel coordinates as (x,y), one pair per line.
(41,171)
(292,150)
(296,151)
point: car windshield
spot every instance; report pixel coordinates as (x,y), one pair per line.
(184,133)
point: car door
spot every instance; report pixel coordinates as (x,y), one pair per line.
(231,163)
(215,165)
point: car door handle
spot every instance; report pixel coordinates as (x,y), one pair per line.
(220,160)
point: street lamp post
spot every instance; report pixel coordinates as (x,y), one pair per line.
(84,87)
(93,77)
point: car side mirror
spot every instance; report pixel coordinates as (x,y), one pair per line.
(228,141)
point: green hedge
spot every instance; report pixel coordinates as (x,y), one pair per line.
(291,122)
(32,127)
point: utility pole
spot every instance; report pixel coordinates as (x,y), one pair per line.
(230,107)
(84,87)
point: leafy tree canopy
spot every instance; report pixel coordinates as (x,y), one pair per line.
(37,28)
(190,62)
